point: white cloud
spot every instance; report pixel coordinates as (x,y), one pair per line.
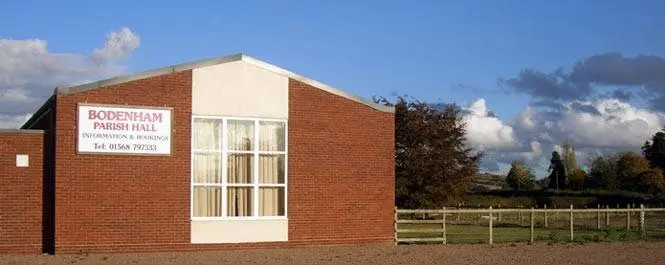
(118,45)
(485,131)
(593,126)
(29,71)
(13,121)
(619,125)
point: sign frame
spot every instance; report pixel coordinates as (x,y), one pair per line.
(127,106)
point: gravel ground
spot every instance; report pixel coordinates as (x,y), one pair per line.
(597,253)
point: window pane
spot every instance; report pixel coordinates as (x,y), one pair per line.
(239,201)
(241,135)
(272,136)
(271,201)
(206,134)
(207,168)
(240,168)
(271,169)
(207,201)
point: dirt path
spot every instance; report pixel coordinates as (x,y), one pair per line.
(601,254)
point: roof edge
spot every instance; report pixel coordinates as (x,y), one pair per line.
(316,84)
(43,109)
(147,74)
(216,61)
(28,131)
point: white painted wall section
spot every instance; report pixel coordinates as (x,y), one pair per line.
(239,89)
(239,231)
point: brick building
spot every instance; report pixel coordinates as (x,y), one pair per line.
(223,153)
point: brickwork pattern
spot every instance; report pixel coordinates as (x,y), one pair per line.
(21,193)
(341,175)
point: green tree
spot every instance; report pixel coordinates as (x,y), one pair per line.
(629,167)
(520,177)
(603,172)
(654,150)
(432,163)
(557,172)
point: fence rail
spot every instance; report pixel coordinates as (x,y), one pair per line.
(510,225)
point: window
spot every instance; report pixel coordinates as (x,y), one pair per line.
(238,168)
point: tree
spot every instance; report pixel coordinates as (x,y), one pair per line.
(542,183)
(603,172)
(520,177)
(654,151)
(577,179)
(629,166)
(651,181)
(558,172)
(432,164)
(569,158)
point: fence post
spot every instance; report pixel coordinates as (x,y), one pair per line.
(628,217)
(520,213)
(642,231)
(459,207)
(545,212)
(499,213)
(491,239)
(607,217)
(480,214)
(571,223)
(443,224)
(532,225)
(395,224)
(598,217)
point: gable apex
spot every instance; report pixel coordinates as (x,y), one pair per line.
(217,61)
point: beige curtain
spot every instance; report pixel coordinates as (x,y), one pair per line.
(207,201)
(271,169)
(207,168)
(271,201)
(239,201)
(240,167)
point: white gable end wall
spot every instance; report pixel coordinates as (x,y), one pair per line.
(239,89)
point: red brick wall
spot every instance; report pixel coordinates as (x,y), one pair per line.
(341,168)
(341,180)
(21,193)
(119,200)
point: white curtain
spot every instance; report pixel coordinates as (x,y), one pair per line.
(206,134)
(240,168)
(241,135)
(207,200)
(272,136)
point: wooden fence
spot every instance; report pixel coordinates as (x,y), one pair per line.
(430,225)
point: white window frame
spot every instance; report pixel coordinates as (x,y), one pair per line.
(256,185)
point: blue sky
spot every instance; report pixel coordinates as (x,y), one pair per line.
(419,48)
